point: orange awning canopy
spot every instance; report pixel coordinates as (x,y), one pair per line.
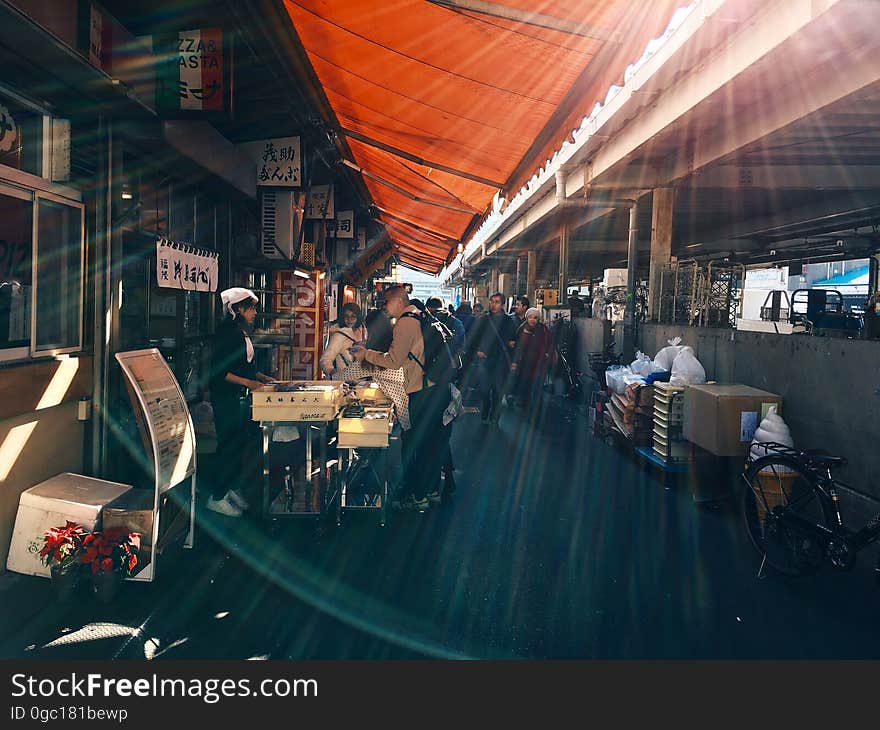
(443,103)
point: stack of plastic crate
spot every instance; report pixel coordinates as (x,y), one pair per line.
(669,444)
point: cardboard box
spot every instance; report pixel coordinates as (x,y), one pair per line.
(723,418)
(134,511)
(51,503)
(614,278)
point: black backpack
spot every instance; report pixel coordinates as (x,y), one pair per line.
(440,365)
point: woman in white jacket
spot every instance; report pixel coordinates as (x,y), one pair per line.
(349,331)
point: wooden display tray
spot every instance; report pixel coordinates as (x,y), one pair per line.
(278,406)
(347,440)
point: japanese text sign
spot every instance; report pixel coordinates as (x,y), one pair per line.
(179,266)
(320,203)
(278,162)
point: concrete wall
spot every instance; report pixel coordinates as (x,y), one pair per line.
(830,387)
(593,336)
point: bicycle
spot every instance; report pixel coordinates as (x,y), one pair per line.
(791,508)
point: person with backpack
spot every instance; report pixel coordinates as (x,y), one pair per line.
(423,446)
(435,307)
(489,347)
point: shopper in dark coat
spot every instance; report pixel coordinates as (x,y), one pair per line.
(465,316)
(531,358)
(489,349)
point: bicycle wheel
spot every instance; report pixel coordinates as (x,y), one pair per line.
(777,484)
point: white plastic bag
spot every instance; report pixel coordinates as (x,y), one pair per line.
(630,378)
(643,365)
(285,434)
(455,407)
(665,357)
(686,369)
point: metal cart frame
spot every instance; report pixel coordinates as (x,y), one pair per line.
(330,492)
(350,463)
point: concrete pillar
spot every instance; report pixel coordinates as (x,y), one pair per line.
(661,244)
(632,263)
(531,271)
(564,241)
(518,284)
(493,281)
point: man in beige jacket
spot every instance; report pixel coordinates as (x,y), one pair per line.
(423,447)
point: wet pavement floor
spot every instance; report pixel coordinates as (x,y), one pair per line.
(555,545)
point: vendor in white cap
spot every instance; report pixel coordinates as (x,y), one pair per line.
(233,373)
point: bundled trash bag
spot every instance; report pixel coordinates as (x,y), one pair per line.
(643,365)
(686,369)
(772,428)
(665,357)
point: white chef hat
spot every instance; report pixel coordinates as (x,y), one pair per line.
(234,295)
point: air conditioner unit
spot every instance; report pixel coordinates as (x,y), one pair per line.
(278,224)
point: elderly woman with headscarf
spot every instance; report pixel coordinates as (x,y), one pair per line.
(233,374)
(530,359)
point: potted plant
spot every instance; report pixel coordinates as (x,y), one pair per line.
(61,548)
(111,556)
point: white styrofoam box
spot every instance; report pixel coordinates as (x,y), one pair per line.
(50,504)
(614,277)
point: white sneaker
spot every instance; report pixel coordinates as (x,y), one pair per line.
(223,506)
(237,499)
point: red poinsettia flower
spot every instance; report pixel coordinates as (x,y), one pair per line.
(132,561)
(107,565)
(61,544)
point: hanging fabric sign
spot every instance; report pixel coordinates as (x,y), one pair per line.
(179,266)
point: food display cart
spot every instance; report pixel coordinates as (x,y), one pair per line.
(308,405)
(365,426)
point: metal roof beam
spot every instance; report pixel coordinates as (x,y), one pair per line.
(418,160)
(758,176)
(529,17)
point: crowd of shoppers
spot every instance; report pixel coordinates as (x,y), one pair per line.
(500,355)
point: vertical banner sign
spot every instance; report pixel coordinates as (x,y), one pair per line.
(179,266)
(192,76)
(302,301)
(200,59)
(96,32)
(278,163)
(345,224)
(361,238)
(320,203)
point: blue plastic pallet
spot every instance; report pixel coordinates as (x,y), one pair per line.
(675,467)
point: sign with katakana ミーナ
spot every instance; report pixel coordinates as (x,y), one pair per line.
(320,204)
(278,162)
(179,266)
(193,77)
